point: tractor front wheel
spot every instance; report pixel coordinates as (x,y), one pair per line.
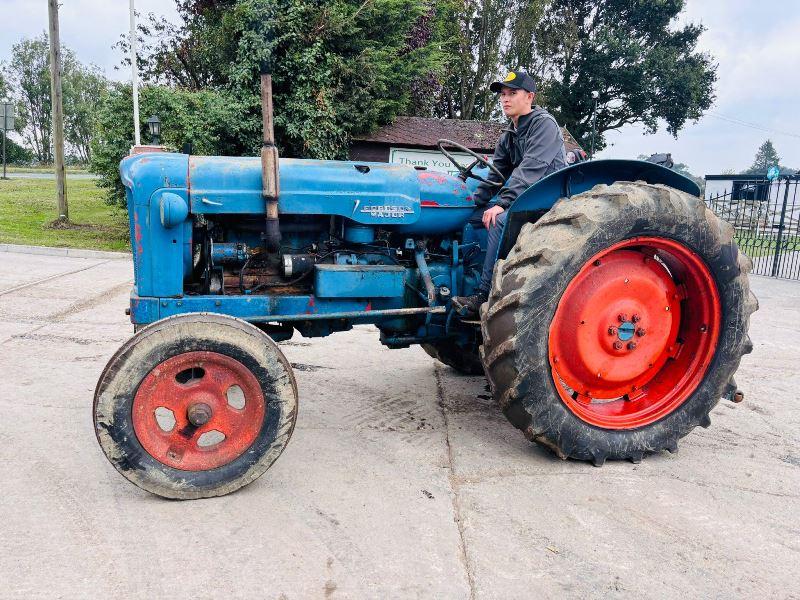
(194,406)
(617,321)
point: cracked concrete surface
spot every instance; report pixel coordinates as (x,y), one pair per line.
(402,479)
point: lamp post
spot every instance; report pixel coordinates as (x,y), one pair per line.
(595,96)
(154,126)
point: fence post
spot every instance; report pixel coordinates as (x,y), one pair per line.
(780,230)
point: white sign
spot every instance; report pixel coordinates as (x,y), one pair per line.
(7,116)
(430,159)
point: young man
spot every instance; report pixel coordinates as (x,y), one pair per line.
(530,149)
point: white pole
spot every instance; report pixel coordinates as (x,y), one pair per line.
(134,78)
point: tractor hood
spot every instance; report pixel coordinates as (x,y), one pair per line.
(368,193)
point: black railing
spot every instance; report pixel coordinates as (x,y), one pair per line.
(766,219)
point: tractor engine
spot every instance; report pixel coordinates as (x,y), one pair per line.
(354,238)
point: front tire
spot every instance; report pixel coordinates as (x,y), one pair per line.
(617,321)
(195,406)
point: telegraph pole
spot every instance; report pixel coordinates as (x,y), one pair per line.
(58,110)
(134,78)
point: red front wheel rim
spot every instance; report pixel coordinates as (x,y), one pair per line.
(634,333)
(198,411)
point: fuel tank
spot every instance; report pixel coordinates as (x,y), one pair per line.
(395,197)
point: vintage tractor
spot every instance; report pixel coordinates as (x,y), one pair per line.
(617,317)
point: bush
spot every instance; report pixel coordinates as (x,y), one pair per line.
(211,120)
(16,154)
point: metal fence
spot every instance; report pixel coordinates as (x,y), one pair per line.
(766,217)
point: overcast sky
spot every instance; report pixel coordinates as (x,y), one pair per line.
(756,44)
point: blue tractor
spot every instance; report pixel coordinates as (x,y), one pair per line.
(617,317)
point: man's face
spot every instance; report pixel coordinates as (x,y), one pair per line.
(516,102)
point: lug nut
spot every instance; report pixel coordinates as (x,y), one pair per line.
(612,330)
(631,345)
(617,345)
(636,318)
(622,317)
(640,332)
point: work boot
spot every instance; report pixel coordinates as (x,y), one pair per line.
(469,306)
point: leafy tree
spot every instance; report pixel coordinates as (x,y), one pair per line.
(29,72)
(16,154)
(82,87)
(209,119)
(340,67)
(766,157)
(4,88)
(644,65)
(479,38)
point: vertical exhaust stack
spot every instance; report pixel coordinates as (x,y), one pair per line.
(269,163)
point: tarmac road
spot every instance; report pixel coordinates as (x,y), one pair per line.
(402,479)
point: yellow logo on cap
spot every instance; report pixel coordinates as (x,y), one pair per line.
(510,77)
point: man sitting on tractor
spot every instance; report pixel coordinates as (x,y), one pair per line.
(530,149)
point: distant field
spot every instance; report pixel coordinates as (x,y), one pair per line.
(28,207)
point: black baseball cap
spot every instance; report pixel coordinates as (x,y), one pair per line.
(518,80)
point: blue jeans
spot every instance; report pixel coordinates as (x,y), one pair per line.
(493,242)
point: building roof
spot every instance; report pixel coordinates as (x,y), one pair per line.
(425,132)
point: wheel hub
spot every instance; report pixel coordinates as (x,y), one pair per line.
(199,414)
(624,283)
(198,411)
(626,331)
(629,340)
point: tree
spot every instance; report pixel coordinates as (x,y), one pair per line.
(16,154)
(29,74)
(4,88)
(644,66)
(209,119)
(83,89)
(478,38)
(766,157)
(339,67)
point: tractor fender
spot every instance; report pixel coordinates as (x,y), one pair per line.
(578,178)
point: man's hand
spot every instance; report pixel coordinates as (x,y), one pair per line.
(490,215)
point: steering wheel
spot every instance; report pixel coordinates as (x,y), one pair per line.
(464,172)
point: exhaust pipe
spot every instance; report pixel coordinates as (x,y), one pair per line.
(269,163)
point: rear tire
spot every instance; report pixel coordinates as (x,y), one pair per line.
(527,329)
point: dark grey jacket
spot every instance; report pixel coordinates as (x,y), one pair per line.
(524,155)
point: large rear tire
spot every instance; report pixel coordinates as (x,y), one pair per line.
(617,321)
(195,406)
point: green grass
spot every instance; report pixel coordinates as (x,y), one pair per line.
(43,169)
(28,208)
(756,246)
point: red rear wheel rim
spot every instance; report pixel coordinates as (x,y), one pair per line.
(182,391)
(634,333)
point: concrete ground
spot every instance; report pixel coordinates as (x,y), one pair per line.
(402,479)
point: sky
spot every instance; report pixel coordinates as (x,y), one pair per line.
(756,45)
